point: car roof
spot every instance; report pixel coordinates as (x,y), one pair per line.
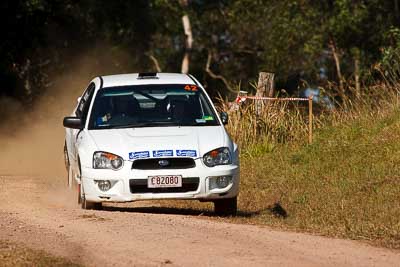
(134,79)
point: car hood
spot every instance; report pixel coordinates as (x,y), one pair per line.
(136,143)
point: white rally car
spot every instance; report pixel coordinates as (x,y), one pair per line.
(150,136)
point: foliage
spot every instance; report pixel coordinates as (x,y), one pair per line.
(290,38)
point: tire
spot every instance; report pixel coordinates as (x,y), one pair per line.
(225,207)
(88,205)
(79,194)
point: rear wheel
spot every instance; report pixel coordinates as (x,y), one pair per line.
(226,206)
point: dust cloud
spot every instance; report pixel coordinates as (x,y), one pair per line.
(31,142)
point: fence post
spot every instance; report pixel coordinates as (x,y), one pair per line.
(310,119)
(265,87)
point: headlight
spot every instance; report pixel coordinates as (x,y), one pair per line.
(219,156)
(104,160)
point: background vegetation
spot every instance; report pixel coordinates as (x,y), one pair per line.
(304,42)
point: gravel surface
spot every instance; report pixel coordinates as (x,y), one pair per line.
(44,216)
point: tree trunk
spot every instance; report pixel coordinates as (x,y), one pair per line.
(336,58)
(155,63)
(215,76)
(265,88)
(357,74)
(188,45)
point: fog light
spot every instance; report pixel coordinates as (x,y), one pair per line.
(223,181)
(104,185)
(219,182)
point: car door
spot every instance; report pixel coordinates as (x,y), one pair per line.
(81,112)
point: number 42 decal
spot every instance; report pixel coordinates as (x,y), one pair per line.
(191,88)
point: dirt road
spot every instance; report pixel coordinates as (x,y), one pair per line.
(41,215)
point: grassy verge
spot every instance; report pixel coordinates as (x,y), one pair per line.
(346,184)
(16,255)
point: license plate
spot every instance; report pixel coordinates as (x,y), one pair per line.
(164,181)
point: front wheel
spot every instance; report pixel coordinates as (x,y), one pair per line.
(87,205)
(226,206)
(79,194)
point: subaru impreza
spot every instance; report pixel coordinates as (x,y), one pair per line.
(149,136)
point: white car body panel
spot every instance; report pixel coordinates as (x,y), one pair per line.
(163,78)
(124,141)
(82,144)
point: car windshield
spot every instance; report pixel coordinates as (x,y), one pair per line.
(151,106)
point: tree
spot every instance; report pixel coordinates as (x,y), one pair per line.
(233,40)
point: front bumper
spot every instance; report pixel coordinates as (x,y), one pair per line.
(121,190)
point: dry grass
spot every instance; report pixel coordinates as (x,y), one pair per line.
(280,122)
(12,255)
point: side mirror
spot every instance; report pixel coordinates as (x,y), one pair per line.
(224,118)
(73,122)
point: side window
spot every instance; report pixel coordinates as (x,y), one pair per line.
(83,105)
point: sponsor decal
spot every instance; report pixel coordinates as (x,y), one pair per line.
(186,153)
(162,153)
(139,155)
(208,118)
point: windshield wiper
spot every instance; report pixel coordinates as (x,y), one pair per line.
(155,124)
(147,124)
